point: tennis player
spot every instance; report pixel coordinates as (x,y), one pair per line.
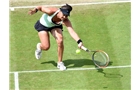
(51,23)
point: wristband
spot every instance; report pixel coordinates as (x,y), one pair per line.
(36,10)
(79,41)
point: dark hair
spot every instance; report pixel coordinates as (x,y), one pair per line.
(67,6)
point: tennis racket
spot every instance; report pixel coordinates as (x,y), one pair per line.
(99,57)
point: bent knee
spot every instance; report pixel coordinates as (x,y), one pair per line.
(45,47)
(60,42)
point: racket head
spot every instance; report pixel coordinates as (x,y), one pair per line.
(100,58)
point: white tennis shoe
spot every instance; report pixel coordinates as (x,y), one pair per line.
(61,66)
(38,51)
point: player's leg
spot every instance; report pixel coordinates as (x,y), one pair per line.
(44,43)
(57,34)
(44,39)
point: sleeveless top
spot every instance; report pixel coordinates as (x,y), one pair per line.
(46,20)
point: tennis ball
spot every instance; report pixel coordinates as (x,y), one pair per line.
(78,51)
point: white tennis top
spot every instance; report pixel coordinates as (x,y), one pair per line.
(46,20)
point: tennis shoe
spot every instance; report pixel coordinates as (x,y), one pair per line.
(61,66)
(38,52)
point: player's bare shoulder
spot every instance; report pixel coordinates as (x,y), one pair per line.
(51,10)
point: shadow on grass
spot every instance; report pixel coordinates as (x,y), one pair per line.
(71,63)
(109,75)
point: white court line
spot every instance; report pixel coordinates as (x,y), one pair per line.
(111,2)
(71,69)
(16,80)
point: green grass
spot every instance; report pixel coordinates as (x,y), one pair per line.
(105,27)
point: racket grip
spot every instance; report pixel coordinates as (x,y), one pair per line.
(84,48)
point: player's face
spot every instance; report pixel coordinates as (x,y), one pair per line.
(62,16)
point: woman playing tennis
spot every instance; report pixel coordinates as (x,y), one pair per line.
(51,21)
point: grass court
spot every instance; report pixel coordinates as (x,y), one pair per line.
(102,26)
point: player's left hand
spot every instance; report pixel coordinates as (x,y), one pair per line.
(31,12)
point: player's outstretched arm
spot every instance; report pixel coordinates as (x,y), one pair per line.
(73,34)
(48,10)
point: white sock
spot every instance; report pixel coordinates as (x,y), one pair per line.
(38,46)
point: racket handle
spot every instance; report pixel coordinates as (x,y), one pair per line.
(84,48)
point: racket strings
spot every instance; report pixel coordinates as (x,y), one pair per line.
(100,59)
